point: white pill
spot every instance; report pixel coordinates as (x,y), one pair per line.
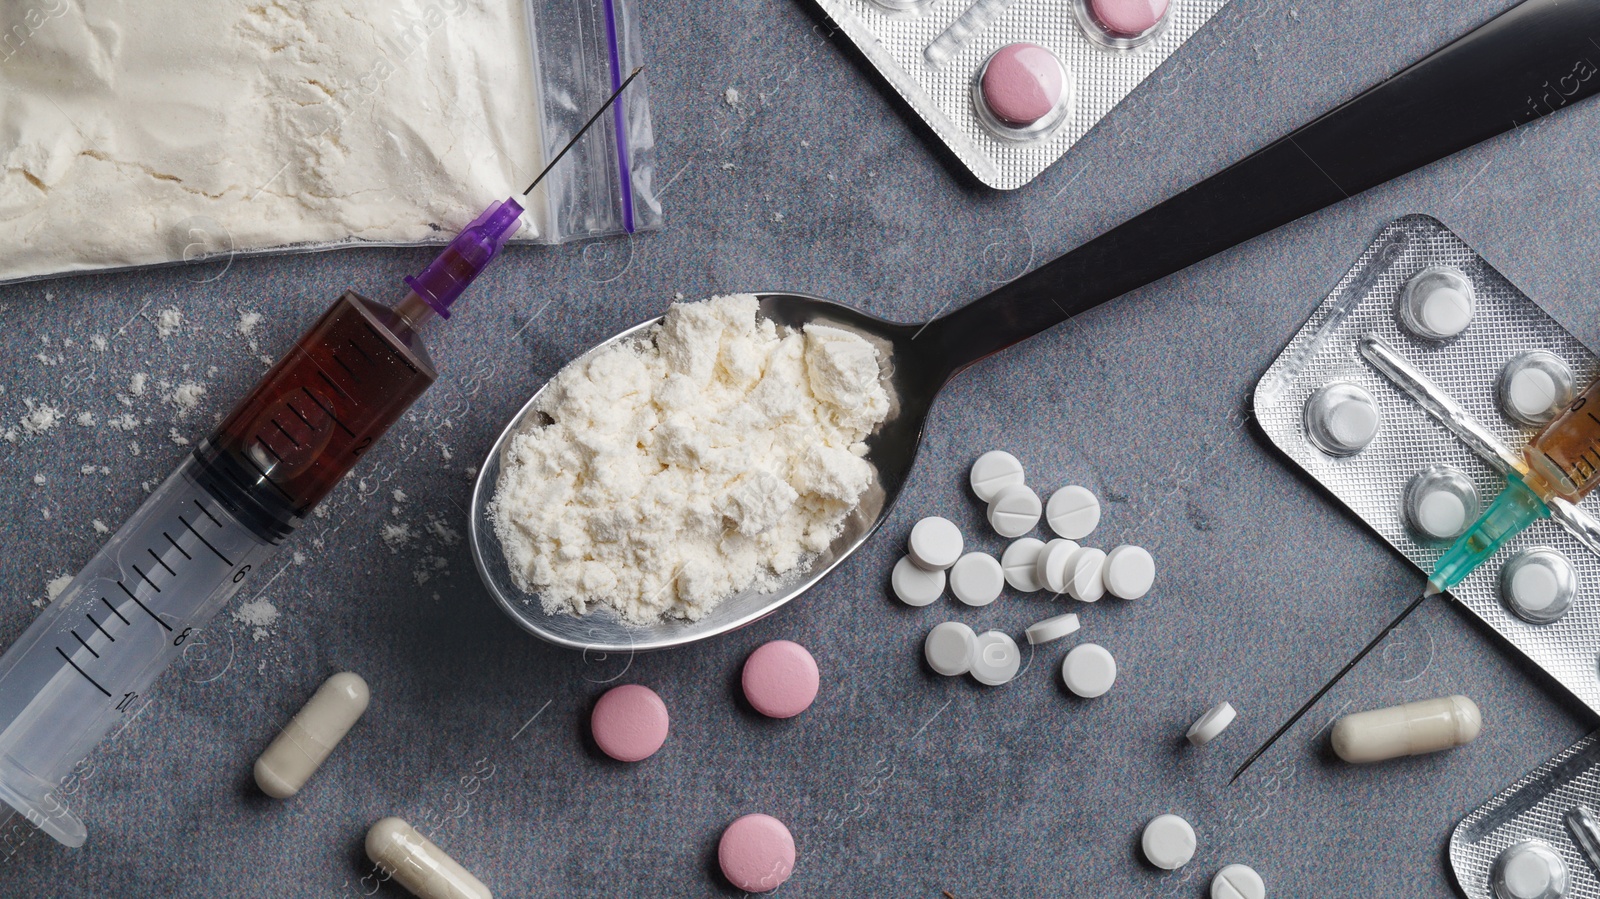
(996,660)
(1085,575)
(977,579)
(1437,303)
(1538,584)
(1014,511)
(411,860)
(1341,418)
(915,585)
(1531,392)
(1529,870)
(310,736)
(935,543)
(1089,670)
(1051,569)
(1168,842)
(1129,572)
(950,648)
(1238,882)
(1053,628)
(1211,724)
(1073,512)
(1441,514)
(1534,386)
(993,472)
(1446,311)
(1021,564)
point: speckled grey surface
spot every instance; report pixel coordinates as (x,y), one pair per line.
(897,782)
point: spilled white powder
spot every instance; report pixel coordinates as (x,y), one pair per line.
(86,419)
(247,323)
(395,535)
(39,418)
(260,615)
(55,587)
(186,397)
(168,322)
(136,384)
(718,453)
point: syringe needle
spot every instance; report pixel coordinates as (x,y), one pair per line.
(592,119)
(1329,685)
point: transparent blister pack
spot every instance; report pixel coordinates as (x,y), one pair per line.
(395,136)
(1010,85)
(1540,837)
(1409,394)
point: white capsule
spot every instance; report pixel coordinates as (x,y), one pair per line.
(935,543)
(1014,511)
(1415,728)
(306,741)
(993,472)
(411,860)
(1073,512)
(1021,564)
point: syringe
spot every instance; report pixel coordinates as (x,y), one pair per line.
(1562,461)
(98,647)
(200,536)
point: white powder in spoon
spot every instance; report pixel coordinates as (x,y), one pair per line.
(716,454)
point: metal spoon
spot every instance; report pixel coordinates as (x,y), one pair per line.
(1488,82)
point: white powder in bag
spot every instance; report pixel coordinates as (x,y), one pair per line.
(718,453)
(135,133)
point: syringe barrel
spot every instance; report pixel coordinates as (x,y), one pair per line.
(1566,454)
(93,654)
(88,661)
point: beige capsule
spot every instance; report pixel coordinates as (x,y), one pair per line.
(1415,728)
(305,742)
(413,861)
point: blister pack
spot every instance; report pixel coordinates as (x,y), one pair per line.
(1540,838)
(1410,394)
(1009,85)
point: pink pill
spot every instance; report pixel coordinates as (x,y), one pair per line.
(780,679)
(629,723)
(756,853)
(1128,17)
(1021,83)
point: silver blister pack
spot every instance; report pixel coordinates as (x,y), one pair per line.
(932,52)
(1557,806)
(1357,333)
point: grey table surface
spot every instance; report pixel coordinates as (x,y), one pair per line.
(897,782)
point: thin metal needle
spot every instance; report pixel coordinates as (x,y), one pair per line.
(1329,685)
(592,119)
